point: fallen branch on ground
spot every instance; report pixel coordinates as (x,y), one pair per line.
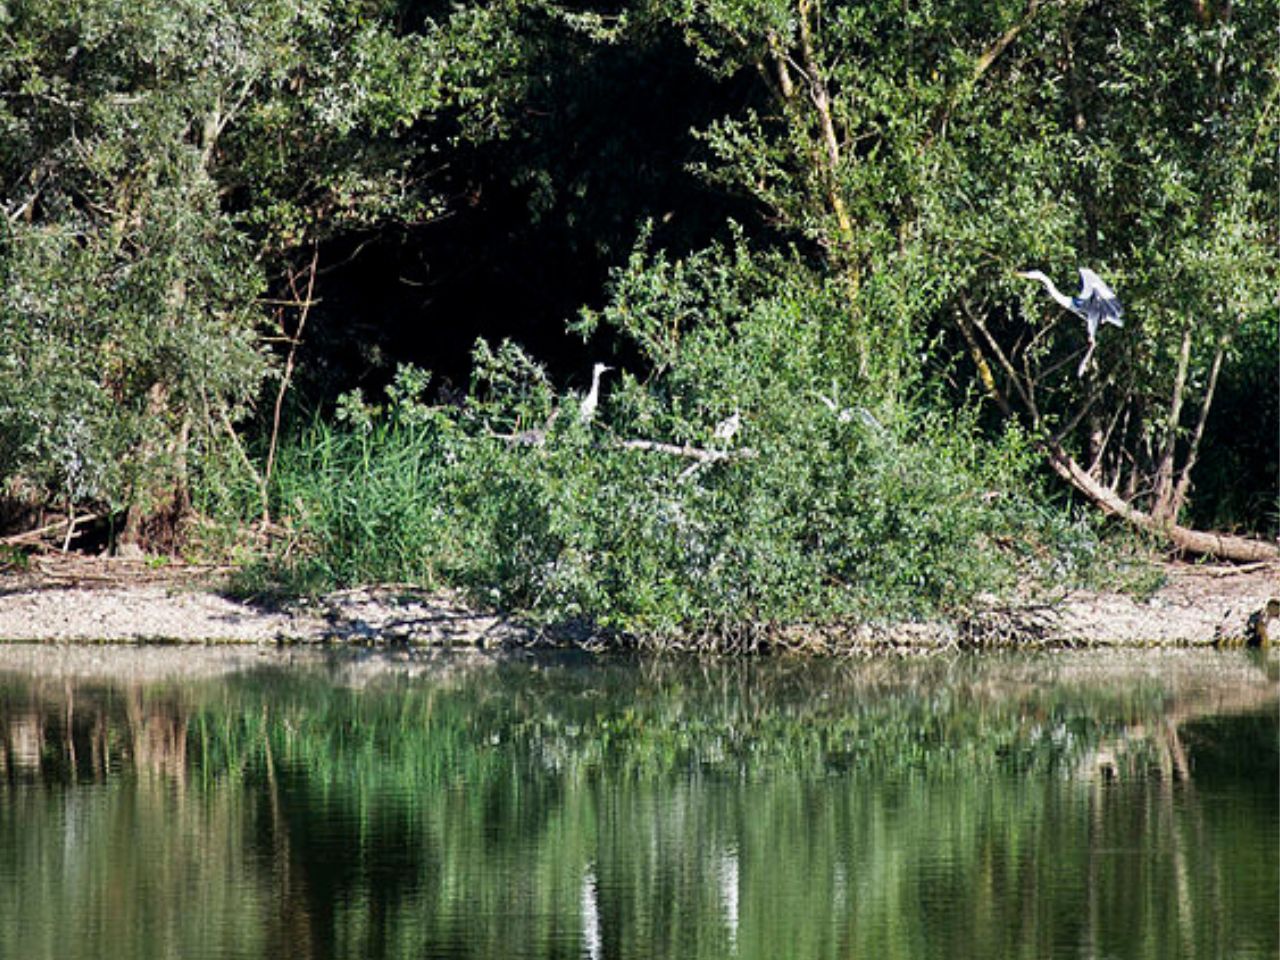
(34,536)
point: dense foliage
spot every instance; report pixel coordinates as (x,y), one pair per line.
(829,502)
(831,403)
(160,163)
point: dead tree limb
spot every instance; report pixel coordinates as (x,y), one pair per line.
(1184,539)
(701,454)
(304,302)
(34,536)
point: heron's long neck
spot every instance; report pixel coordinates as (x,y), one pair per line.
(1054,292)
(594,394)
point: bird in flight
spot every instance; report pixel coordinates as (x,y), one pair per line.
(1096,304)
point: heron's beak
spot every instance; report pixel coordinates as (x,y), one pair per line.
(1023,274)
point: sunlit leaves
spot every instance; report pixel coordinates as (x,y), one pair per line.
(158,162)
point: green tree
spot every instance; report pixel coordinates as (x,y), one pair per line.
(160,164)
(928,150)
(1155,161)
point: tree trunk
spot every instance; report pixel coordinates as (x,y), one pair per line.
(1183,486)
(145,495)
(1163,508)
(1184,539)
(821,100)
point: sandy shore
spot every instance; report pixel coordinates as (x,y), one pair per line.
(113,601)
(98,600)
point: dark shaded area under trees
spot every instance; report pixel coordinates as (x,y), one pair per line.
(534,224)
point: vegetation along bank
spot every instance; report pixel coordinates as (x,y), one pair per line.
(680,323)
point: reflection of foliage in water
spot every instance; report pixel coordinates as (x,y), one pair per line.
(774,809)
(731,722)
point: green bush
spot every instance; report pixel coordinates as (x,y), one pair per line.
(830,502)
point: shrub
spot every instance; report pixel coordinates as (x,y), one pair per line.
(830,502)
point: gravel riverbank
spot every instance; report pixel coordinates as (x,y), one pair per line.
(89,600)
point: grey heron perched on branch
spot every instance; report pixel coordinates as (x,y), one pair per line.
(1096,304)
(846,414)
(728,428)
(587,409)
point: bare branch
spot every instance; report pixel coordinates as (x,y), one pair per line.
(306,300)
(17,213)
(34,536)
(990,55)
(1164,471)
(1101,450)
(1028,398)
(700,454)
(1074,422)
(227,425)
(984,369)
(786,88)
(1193,452)
(831,142)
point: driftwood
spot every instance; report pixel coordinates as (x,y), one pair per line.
(1238,569)
(1185,539)
(537,437)
(36,535)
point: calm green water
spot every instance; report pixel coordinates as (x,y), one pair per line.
(1069,806)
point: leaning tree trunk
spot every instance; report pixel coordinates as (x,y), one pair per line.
(1184,539)
(986,353)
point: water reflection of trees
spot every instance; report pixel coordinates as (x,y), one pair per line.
(764,809)
(69,734)
(1114,722)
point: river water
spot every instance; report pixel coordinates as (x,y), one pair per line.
(191,804)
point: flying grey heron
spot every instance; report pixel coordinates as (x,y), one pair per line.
(1096,304)
(587,409)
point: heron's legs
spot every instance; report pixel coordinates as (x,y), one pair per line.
(1088,355)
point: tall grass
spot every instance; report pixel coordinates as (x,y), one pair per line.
(361,504)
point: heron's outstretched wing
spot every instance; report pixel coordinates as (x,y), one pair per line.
(1098,301)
